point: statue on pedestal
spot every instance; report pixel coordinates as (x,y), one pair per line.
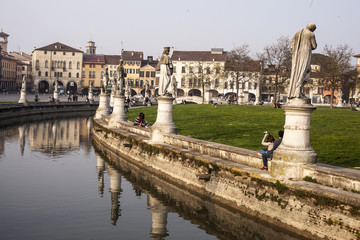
(147,89)
(56,84)
(166,70)
(301,46)
(23,84)
(121,79)
(105,82)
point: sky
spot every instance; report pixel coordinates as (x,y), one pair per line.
(186,25)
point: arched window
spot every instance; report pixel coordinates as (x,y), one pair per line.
(37,64)
(46,64)
(39,74)
(69,74)
(60,74)
(77,75)
(64,64)
(78,65)
(57,64)
(70,65)
(46,74)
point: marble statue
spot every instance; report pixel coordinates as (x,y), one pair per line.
(174,87)
(301,46)
(105,81)
(128,88)
(121,80)
(56,84)
(147,88)
(166,70)
(23,84)
(91,87)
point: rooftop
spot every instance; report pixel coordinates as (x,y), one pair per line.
(199,56)
(59,47)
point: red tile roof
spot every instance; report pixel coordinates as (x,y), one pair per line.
(2,34)
(198,56)
(92,58)
(59,47)
(357,55)
(112,59)
(247,66)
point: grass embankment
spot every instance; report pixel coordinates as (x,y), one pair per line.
(335,133)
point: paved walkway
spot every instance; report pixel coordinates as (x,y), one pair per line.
(13,97)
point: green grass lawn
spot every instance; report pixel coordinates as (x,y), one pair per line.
(335,133)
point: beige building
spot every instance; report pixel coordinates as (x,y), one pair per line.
(189,64)
(132,63)
(57,61)
(148,73)
(23,69)
(93,70)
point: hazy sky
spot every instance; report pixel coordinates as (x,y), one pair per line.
(149,25)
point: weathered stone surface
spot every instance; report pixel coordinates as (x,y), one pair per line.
(312,209)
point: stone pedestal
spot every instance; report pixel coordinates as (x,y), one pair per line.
(23,97)
(159,218)
(340,103)
(118,114)
(164,123)
(103,108)
(295,149)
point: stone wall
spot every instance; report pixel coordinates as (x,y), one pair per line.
(314,210)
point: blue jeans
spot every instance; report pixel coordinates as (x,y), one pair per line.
(265,156)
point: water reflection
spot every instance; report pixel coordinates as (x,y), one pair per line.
(54,137)
(115,190)
(164,197)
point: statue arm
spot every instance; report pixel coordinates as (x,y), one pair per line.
(313,42)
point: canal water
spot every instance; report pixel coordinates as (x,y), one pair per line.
(54,184)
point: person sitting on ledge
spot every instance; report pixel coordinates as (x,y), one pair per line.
(268,141)
(140,121)
(269,153)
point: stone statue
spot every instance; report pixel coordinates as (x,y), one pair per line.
(121,79)
(301,46)
(174,87)
(105,81)
(128,88)
(56,84)
(23,84)
(91,87)
(166,70)
(147,88)
(339,93)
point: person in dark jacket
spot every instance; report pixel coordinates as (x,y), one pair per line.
(269,154)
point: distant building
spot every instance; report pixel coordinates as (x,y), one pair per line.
(148,73)
(112,62)
(132,63)
(93,70)
(188,63)
(356,93)
(57,61)
(23,69)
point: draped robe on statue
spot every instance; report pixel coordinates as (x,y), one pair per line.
(301,46)
(165,74)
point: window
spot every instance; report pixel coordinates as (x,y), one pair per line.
(147,74)
(153,74)
(77,75)
(60,74)
(320,90)
(55,74)
(141,83)
(190,82)
(46,74)
(90,74)
(69,74)
(141,73)
(136,82)
(190,69)
(39,73)
(64,53)
(111,73)
(137,70)
(183,70)
(152,84)
(83,74)
(73,54)
(207,70)
(78,65)
(183,82)
(54,53)
(45,52)
(70,65)
(46,64)
(82,82)
(37,65)
(93,74)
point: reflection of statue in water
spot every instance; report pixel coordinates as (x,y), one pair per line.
(121,79)
(105,81)
(301,46)
(166,70)
(23,84)
(56,84)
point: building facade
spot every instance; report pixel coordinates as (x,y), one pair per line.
(57,61)
(148,73)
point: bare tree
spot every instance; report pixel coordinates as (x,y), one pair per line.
(336,68)
(277,57)
(236,66)
(203,74)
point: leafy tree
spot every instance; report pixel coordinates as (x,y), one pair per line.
(277,57)
(336,70)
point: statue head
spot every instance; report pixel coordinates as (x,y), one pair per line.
(311,27)
(166,50)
